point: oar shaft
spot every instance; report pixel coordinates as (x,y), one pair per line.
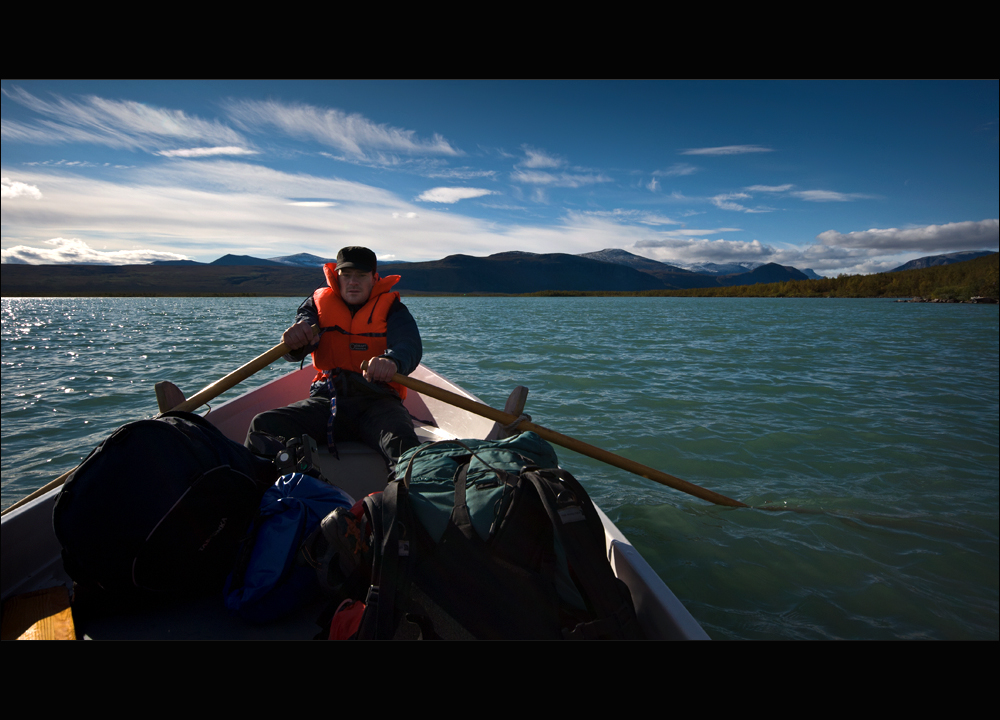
(565,441)
(234,378)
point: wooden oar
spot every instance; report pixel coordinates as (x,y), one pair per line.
(237,376)
(197,400)
(564,440)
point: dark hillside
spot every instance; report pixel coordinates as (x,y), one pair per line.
(157,280)
(769,273)
(946,259)
(516,273)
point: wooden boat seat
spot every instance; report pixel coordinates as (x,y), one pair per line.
(39,615)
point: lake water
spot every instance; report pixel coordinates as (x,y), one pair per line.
(876,422)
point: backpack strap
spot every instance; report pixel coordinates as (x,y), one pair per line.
(389,518)
(582,534)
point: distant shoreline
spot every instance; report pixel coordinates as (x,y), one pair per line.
(956,282)
(539,295)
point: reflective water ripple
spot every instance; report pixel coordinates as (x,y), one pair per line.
(877,422)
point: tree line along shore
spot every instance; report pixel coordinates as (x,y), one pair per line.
(970,281)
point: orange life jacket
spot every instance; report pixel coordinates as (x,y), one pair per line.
(348,341)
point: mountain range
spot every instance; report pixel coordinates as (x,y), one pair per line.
(298,275)
(531,272)
(946,259)
(610,255)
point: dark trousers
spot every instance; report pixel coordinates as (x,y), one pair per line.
(379,421)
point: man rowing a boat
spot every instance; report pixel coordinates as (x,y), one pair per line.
(359,319)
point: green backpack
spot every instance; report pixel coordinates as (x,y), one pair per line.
(490,540)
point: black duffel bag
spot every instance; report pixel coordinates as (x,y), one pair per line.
(161,505)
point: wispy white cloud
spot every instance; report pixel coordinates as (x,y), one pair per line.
(677,169)
(459,173)
(76,164)
(452,194)
(828,196)
(727,150)
(12,189)
(538,177)
(76,251)
(207,152)
(808,195)
(725,202)
(653,185)
(930,238)
(209,207)
(535,158)
(638,216)
(353,134)
(114,123)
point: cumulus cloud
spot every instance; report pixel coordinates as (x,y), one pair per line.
(681,250)
(80,253)
(13,189)
(452,194)
(689,247)
(727,150)
(353,134)
(207,152)
(930,238)
(115,123)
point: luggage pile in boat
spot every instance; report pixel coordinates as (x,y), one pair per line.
(470,539)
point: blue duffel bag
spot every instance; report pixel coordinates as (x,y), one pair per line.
(272,577)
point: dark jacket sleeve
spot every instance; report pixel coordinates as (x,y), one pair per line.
(307,312)
(402,339)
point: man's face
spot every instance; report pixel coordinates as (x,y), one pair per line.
(355,285)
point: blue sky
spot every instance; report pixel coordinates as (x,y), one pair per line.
(837,176)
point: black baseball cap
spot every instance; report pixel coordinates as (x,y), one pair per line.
(357,257)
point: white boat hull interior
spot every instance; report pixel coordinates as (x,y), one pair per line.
(31,555)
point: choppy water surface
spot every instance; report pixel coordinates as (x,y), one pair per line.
(877,422)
